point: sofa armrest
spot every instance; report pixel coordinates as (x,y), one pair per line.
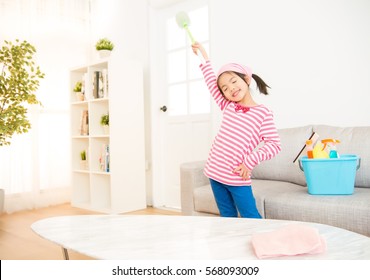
(191,177)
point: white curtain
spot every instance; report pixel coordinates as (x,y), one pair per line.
(35,168)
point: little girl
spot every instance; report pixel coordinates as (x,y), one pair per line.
(237,147)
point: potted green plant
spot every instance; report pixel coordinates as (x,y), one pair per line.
(78,87)
(104,46)
(104,121)
(78,90)
(19,80)
(83,162)
(83,155)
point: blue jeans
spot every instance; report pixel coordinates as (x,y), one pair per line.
(231,199)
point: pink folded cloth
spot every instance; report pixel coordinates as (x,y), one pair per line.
(289,240)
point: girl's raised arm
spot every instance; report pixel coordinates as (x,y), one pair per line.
(210,77)
(196,46)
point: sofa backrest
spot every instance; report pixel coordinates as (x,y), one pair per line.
(353,140)
(281,167)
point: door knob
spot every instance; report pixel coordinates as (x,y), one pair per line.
(163,108)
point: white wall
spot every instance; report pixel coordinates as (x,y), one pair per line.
(315,55)
(125,22)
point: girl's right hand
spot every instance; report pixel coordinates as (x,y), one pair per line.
(198,47)
(243,171)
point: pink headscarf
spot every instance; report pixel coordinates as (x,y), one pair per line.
(236,68)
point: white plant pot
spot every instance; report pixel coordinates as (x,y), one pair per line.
(80,96)
(104,53)
(106,129)
(84,165)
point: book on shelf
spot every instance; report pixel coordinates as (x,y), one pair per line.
(84,123)
(104,159)
(96,84)
(100,84)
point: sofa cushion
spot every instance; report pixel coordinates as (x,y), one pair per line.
(267,188)
(351,212)
(204,200)
(281,167)
(353,140)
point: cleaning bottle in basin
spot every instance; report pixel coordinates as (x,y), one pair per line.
(309,148)
(319,151)
(331,145)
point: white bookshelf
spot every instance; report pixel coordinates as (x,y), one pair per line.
(122,188)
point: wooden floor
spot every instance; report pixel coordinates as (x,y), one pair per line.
(19,242)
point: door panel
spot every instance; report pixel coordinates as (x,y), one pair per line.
(182,133)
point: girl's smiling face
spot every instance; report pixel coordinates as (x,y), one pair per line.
(233,87)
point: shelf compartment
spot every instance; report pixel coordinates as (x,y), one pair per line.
(81,188)
(100,191)
(97,158)
(77,75)
(98,108)
(79,145)
(102,89)
(77,111)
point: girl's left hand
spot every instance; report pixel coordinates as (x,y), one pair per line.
(243,171)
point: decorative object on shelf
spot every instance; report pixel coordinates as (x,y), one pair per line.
(84,126)
(104,160)
(100,84)
(104,121)
(104,46)
(20,79)
(83,162)
(78,90)
(78,87)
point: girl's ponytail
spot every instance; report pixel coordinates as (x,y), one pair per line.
(261,85)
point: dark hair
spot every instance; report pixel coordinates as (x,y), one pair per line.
(261,85)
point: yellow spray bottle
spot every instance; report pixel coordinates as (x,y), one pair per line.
(319,151)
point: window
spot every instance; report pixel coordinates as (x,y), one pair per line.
(187,92)
(35,168)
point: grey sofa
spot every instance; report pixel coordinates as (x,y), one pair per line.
(279,185)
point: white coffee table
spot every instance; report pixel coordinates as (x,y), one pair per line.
(136,237)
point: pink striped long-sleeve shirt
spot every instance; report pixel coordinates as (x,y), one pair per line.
(239,135)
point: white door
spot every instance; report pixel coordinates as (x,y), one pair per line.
(181,110)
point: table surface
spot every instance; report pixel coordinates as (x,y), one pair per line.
(145,237)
